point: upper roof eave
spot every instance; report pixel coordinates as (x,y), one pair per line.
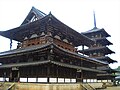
(11,33)
(14,35)
(85,40)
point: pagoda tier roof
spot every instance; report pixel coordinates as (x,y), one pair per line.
(107,69)
(96,31)
(41,25)
(103,41)
(52,62)
(103,49)
(36,48)
(106,58)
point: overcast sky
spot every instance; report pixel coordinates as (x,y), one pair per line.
(78,14)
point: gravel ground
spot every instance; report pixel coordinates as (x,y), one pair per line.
(112,88)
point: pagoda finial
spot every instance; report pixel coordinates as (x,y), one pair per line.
(94,19)
(50,12)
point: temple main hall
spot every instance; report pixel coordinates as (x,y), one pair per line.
(47,52)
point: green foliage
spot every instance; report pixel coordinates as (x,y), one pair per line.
(118,68)
(118,71)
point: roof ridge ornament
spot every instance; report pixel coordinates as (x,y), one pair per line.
(50,14)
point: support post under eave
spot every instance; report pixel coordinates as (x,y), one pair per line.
(11,44)
(83,49)
(48,73)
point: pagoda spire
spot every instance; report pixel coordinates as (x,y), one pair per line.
(94,20)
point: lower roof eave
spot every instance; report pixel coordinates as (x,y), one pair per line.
(93,60)
(77,67)
(103,75)
(24,64)
(37,47)
(53,62)
(21,51)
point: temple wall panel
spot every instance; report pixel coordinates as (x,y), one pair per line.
(64,45)
(34,41)
(89,75)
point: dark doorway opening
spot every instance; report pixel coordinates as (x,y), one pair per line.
(14,75)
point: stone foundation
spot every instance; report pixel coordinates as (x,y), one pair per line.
(38,86)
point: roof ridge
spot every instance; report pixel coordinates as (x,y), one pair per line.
(33,12)
(38,10)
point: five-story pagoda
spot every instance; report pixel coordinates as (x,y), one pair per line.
(99,50)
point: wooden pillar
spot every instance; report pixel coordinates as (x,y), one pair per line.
(36,79)
(95,66)
(11,44)
(48,73)
(18,75)
(57,73)
(81,71)
(76,76)
(4,76)
(71,75)
(10,76)
(83,49)
(63,74)
(27,78)
(81,75)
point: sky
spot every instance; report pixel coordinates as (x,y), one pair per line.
(77,14)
